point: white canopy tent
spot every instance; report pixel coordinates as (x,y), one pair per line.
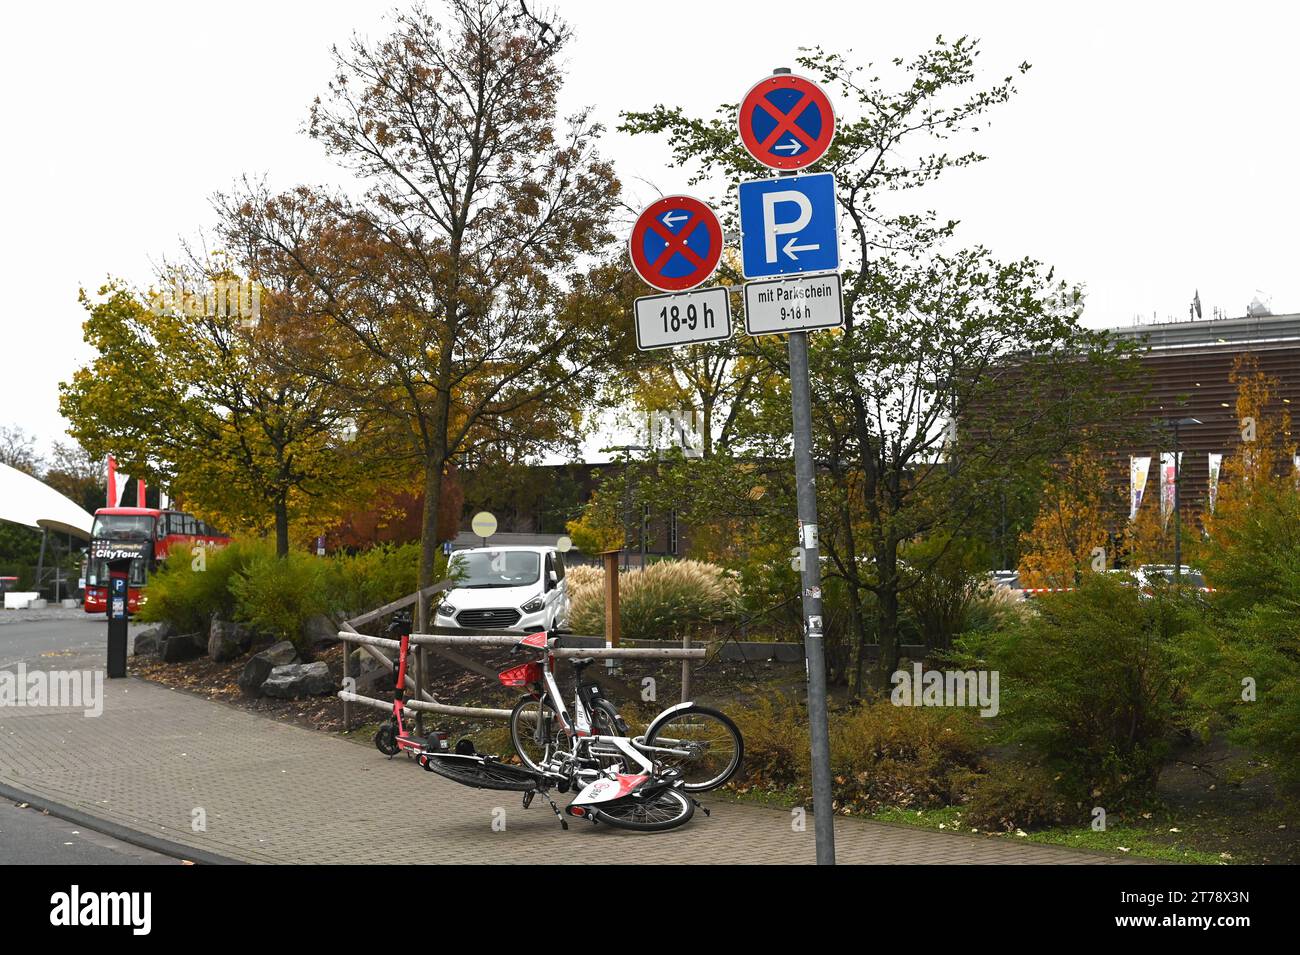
(33,503)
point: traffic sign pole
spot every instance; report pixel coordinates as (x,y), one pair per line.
(805,477)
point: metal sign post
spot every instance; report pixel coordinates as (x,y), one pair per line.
(805,477)
(814,650)
(789,233)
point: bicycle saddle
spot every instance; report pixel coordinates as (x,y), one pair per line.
(581,662)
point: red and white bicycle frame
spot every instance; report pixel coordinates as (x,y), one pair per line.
(577,725)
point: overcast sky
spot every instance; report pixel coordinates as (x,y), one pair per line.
(1151,151)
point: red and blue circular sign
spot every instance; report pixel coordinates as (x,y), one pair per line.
(676,243)
(786,122)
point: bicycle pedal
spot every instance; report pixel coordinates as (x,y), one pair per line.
(528,799)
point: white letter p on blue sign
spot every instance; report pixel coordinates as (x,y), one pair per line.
(789,226)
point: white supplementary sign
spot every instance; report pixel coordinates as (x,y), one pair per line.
(703,315)
(792,305)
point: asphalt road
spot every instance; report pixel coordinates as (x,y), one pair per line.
(28,836)
(31,635)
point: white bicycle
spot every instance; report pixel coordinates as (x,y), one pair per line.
(699,744)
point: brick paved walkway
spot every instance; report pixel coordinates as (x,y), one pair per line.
(279,793)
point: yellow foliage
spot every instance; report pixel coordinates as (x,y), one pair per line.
(1255,462)
(1070,525)
(598,529)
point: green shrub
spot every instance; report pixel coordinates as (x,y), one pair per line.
(276,595)
(1253,560)
(655,603)
(996,607)
(1013,796)
(188,591)
(1094,684)
(378,576)
(902,756)
(944,579)
(246,581)
(881,754)
(775,732)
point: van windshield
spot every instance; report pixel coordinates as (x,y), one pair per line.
(495,568)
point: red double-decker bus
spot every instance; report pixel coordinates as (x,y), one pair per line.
(144,534)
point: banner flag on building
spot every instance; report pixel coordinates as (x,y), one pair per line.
(1215,463)
(1137,480)
(1168,472)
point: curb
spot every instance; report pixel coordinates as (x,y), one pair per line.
(117,831)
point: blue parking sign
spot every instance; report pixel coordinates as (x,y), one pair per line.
(789,226)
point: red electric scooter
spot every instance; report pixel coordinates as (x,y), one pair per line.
(393,737)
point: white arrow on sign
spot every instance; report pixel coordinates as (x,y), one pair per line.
(672,218)
(790,248)
(772,228)
(790,147)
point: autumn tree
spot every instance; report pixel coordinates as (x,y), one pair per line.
(1149,537)
(1071,527)
(18,449)
(1263,461)
(1251,556)
(466,279)
(1267,446)
(77,474)
(207,405)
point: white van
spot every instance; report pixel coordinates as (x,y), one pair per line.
(506,588)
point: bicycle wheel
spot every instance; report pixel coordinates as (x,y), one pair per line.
(666,809)
(533,726)
(480,773)
(708,747)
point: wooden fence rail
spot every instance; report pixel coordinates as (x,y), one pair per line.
(446,642)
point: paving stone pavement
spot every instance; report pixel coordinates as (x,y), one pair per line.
(277,793)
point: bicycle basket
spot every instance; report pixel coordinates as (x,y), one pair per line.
(521,675)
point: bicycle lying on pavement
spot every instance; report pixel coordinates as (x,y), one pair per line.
(643,783)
